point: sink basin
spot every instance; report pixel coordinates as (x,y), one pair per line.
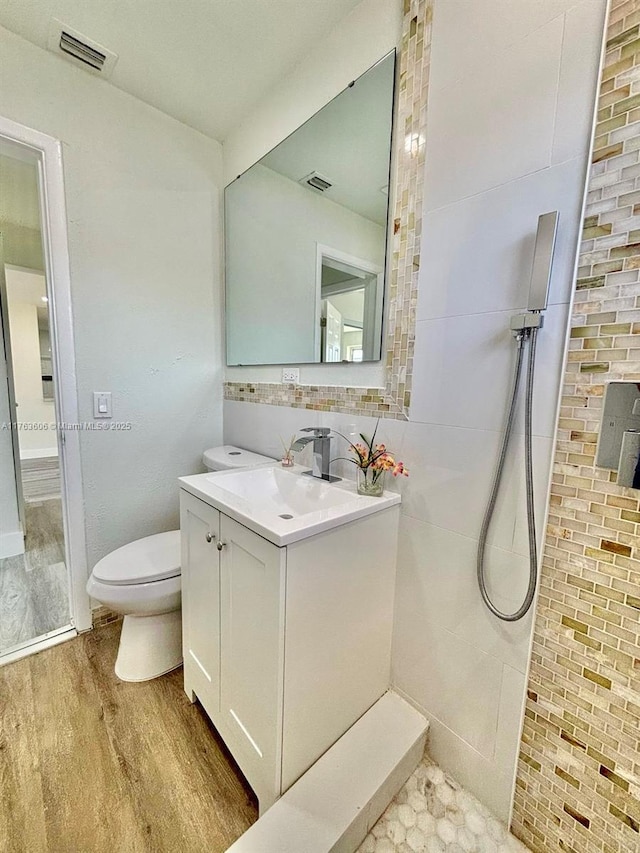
(284,505)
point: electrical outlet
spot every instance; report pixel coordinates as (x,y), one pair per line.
(291,375)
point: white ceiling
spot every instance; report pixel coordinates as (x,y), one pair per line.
(348,142)
(205,62)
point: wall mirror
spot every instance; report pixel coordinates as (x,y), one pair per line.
(306,235)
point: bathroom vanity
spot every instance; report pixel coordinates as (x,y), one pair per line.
(287,600)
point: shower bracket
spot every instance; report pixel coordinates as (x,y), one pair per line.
(526,322)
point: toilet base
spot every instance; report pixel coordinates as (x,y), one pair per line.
(149,646)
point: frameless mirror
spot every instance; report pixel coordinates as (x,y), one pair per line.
(306,235)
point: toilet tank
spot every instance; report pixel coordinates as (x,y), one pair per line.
(227,457)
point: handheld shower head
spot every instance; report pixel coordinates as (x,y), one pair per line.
(542,261)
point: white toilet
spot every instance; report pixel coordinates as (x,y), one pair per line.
(141,580)
(227,457)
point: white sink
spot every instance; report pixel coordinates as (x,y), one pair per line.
(284,505)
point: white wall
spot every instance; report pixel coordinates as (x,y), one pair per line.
(23,287)
(272,308)
(511,100)
(142,196)
(367,34)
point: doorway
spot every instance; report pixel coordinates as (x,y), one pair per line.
(350,291)
(42,560)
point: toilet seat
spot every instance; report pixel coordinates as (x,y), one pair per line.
(154,558)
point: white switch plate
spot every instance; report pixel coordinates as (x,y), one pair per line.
(102,404)
(291,375)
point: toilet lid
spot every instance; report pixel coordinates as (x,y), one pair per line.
(153,558)
(227,456)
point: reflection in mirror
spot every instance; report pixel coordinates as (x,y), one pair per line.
(44,338)
(306,235)
(619,440)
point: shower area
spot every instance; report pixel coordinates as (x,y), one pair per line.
(34,581)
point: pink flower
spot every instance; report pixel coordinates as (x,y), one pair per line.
(400,470)
(376,457)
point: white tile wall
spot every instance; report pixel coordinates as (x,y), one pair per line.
(505,105)
(442,592)
(495,26)
(434,656)
(464,365)
(512,92)
(584,24)
(490,270)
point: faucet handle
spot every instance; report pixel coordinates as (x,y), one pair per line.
(320,431)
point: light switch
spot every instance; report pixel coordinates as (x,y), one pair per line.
(102,404)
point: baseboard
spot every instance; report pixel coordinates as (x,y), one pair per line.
(11,544)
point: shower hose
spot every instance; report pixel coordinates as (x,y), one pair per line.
(530,335)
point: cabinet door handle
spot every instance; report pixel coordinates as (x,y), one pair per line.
(210,537)
(221,545)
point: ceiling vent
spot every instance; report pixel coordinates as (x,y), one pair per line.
(78,48)
(317,182)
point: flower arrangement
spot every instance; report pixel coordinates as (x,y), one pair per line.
(372,462)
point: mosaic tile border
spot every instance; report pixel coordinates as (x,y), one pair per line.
(101,616)
(578,780)
(394,399)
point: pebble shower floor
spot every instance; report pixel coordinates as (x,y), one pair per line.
(433,814)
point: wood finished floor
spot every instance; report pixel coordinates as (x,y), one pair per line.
(91,764)
(40,478)
(34,596)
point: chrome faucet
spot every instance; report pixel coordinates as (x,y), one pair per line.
(321,452)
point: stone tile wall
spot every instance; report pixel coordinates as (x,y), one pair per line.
(578,782)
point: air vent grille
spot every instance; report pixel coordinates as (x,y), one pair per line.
(84,52)
(76,47)
(317,182)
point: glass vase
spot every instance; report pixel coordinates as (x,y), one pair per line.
(370,482)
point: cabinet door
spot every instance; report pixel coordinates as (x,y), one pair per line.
(252,643)
(200,528)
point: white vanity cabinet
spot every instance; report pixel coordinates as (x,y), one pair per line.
(285,647)
(199,532)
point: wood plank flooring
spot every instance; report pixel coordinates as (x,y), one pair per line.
(91,764)
(40,478)
(34,596)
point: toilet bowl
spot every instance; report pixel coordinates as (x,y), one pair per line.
(142,581)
